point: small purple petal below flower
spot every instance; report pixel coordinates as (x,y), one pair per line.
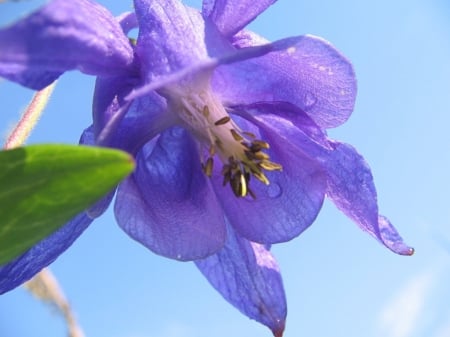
(246,275)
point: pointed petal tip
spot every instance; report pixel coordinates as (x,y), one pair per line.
(278,328)
(389,237)
(278,332)
(409,251)
(400,248)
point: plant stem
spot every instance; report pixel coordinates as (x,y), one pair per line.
(45,287)
(29,118)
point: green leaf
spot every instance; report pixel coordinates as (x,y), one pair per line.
(44,186)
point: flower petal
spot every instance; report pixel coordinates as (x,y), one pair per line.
(173,36)
(87,138)
(350,182)
(109,106)
(128,125)
(206,65)
(311,74)
(289,204)
(168,204)
(41,255)
(292,118)
(247,275)
(60,36)
(351,188)
(231,16)
(127,21)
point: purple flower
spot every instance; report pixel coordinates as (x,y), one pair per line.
(228,131)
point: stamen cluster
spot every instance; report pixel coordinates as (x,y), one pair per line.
(241,153)
(239,168)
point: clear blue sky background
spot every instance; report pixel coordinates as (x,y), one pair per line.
(339,282)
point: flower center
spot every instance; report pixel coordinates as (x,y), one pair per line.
(241,153)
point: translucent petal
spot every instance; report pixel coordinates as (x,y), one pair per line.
(289,204)
(60,36)
(310,74)
(350,182)
(198,68)
(168,204)
(351,187)
(247,275)
(292,118)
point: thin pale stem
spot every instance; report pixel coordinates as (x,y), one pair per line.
(30,117)
(43,285)
(46,288)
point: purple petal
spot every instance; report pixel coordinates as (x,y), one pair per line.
(128,125)
(391,238)
(350,182)
(289,204)
(173,36)
(41,255)
(311,74)
(351,188)
(231,16)
(247,275)
(109,106)
(311,134)
(168,204)
(87,138)
(63,35)
(127,21)
(204,67)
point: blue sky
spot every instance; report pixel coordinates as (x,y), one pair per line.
(339,282)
